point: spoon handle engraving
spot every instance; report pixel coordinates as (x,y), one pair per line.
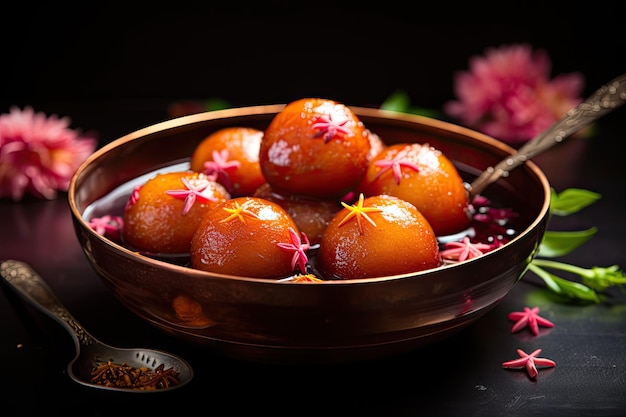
(606,99)
(28,284)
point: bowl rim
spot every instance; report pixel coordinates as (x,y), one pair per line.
(264,110)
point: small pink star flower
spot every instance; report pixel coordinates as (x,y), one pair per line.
(108,226)
(329,128)
(220,168)
(529,317)
(396,164)
(464,249)
(193,191)
(298,247)
(530,362)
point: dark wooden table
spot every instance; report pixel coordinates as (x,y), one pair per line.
(461,375)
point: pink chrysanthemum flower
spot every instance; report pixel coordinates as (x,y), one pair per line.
(38,154)
(508,93)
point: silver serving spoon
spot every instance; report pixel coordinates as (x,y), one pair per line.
(90,352)
(607,98)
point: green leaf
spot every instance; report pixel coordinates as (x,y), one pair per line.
(569,289)
(398,101)
(571,200)
(216,103)
(555,244)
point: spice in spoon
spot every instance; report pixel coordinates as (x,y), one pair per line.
(110,374)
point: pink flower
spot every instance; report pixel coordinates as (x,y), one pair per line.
(463,250)
(38,155)
(529,362)
(298,247)
(529,317)
(108,226)
(507,93)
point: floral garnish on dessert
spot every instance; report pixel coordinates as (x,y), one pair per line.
(358,212)
(396,164)
(107,226)
(298,246)
(463,250)
(329,128)
(195,189)
(237,211)
(220,168)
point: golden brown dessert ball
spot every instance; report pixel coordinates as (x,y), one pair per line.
(425,177)
(377,236)
(310,215)
(241,237)
(162,215)
(231,154)
(315,147)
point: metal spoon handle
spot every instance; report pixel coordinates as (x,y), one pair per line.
(606,99)
(27,283)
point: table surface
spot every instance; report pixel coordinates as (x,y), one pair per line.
(461,375)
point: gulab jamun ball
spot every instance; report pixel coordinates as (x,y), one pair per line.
(162,215)
(315,147)
(231,154)
(241,237)
(310,215)
(426,178)
(377,236)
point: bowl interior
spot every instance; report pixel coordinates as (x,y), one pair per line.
(330,321)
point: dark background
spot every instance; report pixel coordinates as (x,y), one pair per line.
(115,68)
(138,58)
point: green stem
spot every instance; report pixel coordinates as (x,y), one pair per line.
(572,290)
(583,272)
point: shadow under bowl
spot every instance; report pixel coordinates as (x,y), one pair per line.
(287,322)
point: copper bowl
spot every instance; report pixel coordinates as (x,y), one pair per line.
(289,322)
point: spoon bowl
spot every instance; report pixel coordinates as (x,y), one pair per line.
(149,370)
